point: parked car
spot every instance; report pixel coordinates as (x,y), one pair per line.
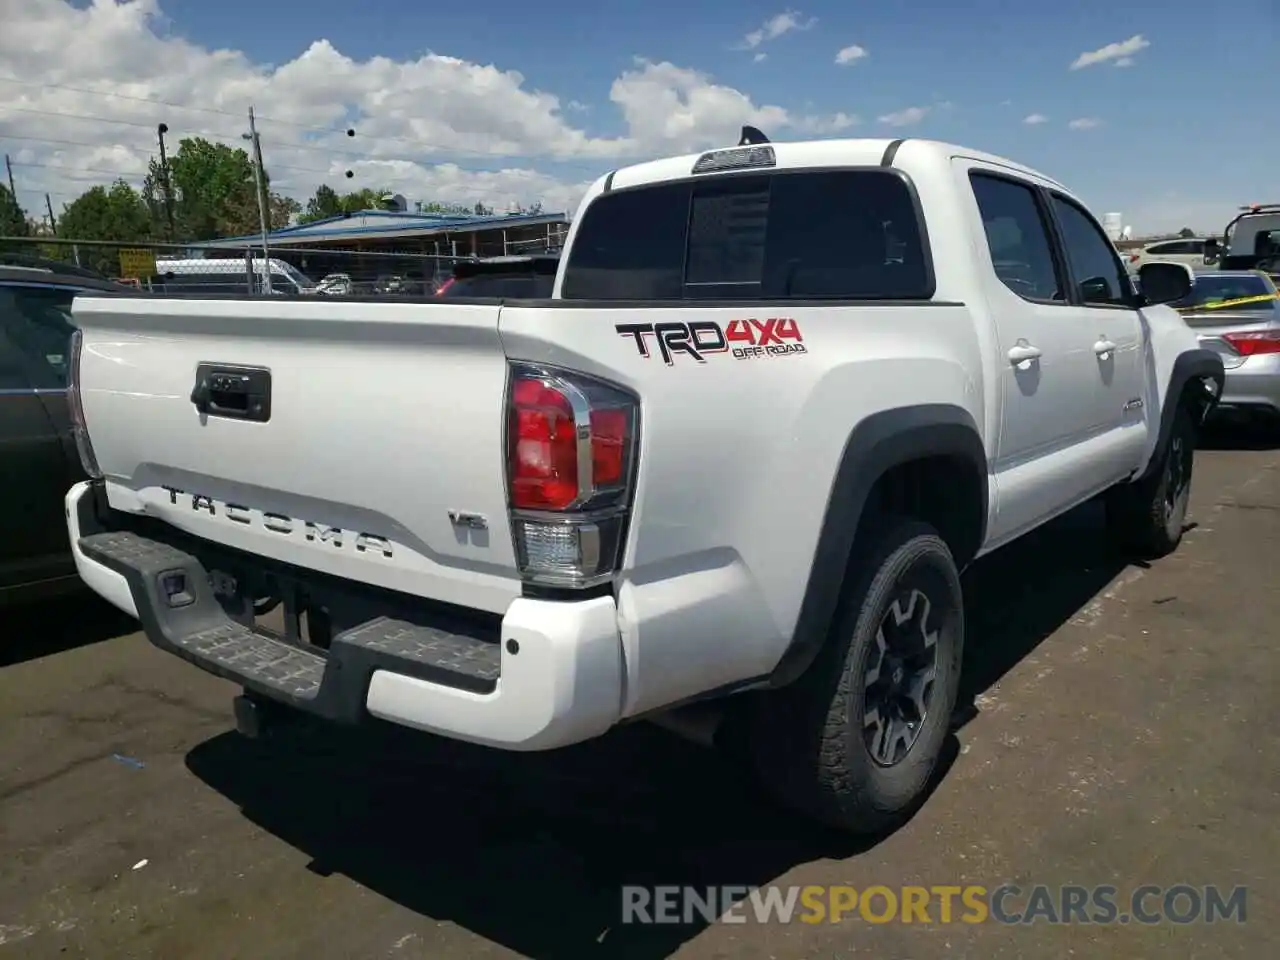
(781,398)
(1236,313)
(38,458)
(336,284)
(229,276)
(1188,250)
(528,277)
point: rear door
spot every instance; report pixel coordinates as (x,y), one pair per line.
(1103,307)
(35,469)
(1047,365)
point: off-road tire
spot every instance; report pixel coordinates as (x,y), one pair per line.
(1147,518)
(807,741)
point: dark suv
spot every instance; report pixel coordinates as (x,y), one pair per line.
(38,458)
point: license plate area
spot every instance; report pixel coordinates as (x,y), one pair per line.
(274,605)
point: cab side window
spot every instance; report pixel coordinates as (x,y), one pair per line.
(1095,267)
(36,346)
(1018,238)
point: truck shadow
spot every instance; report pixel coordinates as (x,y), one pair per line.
(1227,432)
(531,851)
(40,629)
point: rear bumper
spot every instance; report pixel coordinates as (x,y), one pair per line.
(549,675)
(1254,384)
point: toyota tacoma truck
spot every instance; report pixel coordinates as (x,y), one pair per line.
(781,394)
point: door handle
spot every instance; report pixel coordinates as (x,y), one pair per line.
(237,393)
(1022,352)
(1103,347)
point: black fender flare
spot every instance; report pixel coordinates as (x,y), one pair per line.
(1197,364)
(876,445)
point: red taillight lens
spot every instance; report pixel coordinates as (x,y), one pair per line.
(609,446)
(542,447)
(571,445)
(1251,344)
(1134,257)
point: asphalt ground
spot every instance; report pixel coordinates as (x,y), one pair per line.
(1124,731)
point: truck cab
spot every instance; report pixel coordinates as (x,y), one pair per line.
(1251,241)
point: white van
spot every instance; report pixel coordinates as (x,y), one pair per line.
(229,275)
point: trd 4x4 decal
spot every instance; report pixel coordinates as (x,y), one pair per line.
(744,339)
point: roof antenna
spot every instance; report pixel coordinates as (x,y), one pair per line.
(751,136)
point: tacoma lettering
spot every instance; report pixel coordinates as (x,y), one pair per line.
(279,523)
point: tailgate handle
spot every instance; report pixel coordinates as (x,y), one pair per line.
(235,393)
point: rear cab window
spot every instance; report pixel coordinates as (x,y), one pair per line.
(784,235)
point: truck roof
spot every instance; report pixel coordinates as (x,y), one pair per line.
(850,152)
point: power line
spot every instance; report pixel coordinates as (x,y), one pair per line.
(422,146)
(123,174)
(166,103)
(99,146)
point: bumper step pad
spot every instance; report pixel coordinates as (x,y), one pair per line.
(180,614)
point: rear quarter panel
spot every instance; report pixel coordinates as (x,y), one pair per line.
(737,461)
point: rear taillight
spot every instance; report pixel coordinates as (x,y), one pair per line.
(445,286)
(1135,257)
(78,428)
(571,448)
(1250,344)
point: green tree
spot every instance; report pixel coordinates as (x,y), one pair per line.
(1186,233)
(13,220)
(327,202)
(214,194)
(283,210)
(116,213)
(324,204)
(213,191)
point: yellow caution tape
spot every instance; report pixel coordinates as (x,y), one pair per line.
(1237,302)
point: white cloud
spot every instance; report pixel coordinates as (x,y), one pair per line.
(1123,50)
(1084,123)
(760,58)
(775,27)
(819,126)
(1034,118)
(1124,62)
(905,118)
(850,54)
(83,87)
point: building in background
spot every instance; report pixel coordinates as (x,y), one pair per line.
(1113,223)
(394,248)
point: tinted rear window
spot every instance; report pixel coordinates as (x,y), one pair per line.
(850,234)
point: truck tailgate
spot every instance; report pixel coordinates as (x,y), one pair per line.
(384,423)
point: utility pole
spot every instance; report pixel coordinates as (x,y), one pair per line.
(9,168)
(53,224)
(259,178)
(161,130)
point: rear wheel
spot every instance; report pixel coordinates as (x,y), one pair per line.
(1148,517)
(854,742)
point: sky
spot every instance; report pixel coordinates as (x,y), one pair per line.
(1164,111)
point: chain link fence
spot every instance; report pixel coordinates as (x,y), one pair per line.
(227,269)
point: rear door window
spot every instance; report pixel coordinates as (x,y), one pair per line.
(845,234)
(37,330)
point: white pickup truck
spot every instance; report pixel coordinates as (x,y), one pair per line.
(780,395)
